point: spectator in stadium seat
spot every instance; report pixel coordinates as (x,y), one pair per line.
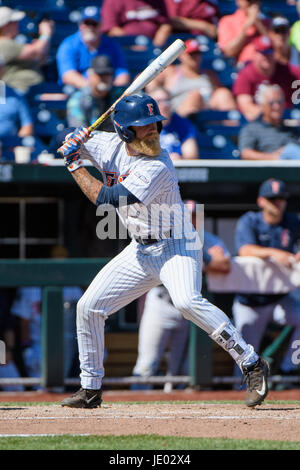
(268,138)
(295,36)
(87,104)
(136,17)
(280,36)
(76,52)
(236,32)
(15,117)
(191,88)
(194,16)
(22,61)
(178,135)
(263,69)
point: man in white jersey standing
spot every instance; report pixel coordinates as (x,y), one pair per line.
(165,248)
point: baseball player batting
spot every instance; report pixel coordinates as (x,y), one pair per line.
(160,252)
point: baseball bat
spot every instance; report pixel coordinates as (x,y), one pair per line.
(155,68)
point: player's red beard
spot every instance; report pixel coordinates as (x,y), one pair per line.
(149,145)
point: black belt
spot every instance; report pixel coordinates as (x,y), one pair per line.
(150,241)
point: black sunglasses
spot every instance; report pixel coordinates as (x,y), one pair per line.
(281,29)
(90,23)
(273,198)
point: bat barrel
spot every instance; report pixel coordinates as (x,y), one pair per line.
(157,66)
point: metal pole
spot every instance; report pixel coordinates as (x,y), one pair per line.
(200,357)
(52,337)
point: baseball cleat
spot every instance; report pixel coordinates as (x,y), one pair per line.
(84,398)
(256,380)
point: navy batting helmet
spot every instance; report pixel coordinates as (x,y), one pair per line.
(135,110)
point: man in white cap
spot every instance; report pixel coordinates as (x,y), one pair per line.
(22,60)
(7,15)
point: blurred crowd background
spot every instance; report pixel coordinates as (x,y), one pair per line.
(63,62)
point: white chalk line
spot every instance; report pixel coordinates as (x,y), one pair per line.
(224,417)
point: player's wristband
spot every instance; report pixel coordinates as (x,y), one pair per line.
(74,165)
(44,37)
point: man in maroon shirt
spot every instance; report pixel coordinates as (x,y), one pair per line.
(263,69)
(194,16)
(136,17)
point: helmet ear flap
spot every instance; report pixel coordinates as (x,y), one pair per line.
(125,133)
(128,134)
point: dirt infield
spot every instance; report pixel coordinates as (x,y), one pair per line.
(268,421)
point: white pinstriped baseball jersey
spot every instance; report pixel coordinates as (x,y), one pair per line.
(152,180)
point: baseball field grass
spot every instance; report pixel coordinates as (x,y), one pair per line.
(27,416)
(139,442)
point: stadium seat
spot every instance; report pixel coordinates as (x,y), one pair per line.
(28,26)
(44,87)
(139,52)
(222,67)
(9,143)
(211,122)
(216,147)
(51,94)
(46,122)
(60,16)
(65,25)
(37,5)
(293,113)
(7,148)
(79,4)
(271,7)
(37,146)
(227,7)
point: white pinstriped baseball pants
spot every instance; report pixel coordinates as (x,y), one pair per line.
(129,275)
(168,327)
